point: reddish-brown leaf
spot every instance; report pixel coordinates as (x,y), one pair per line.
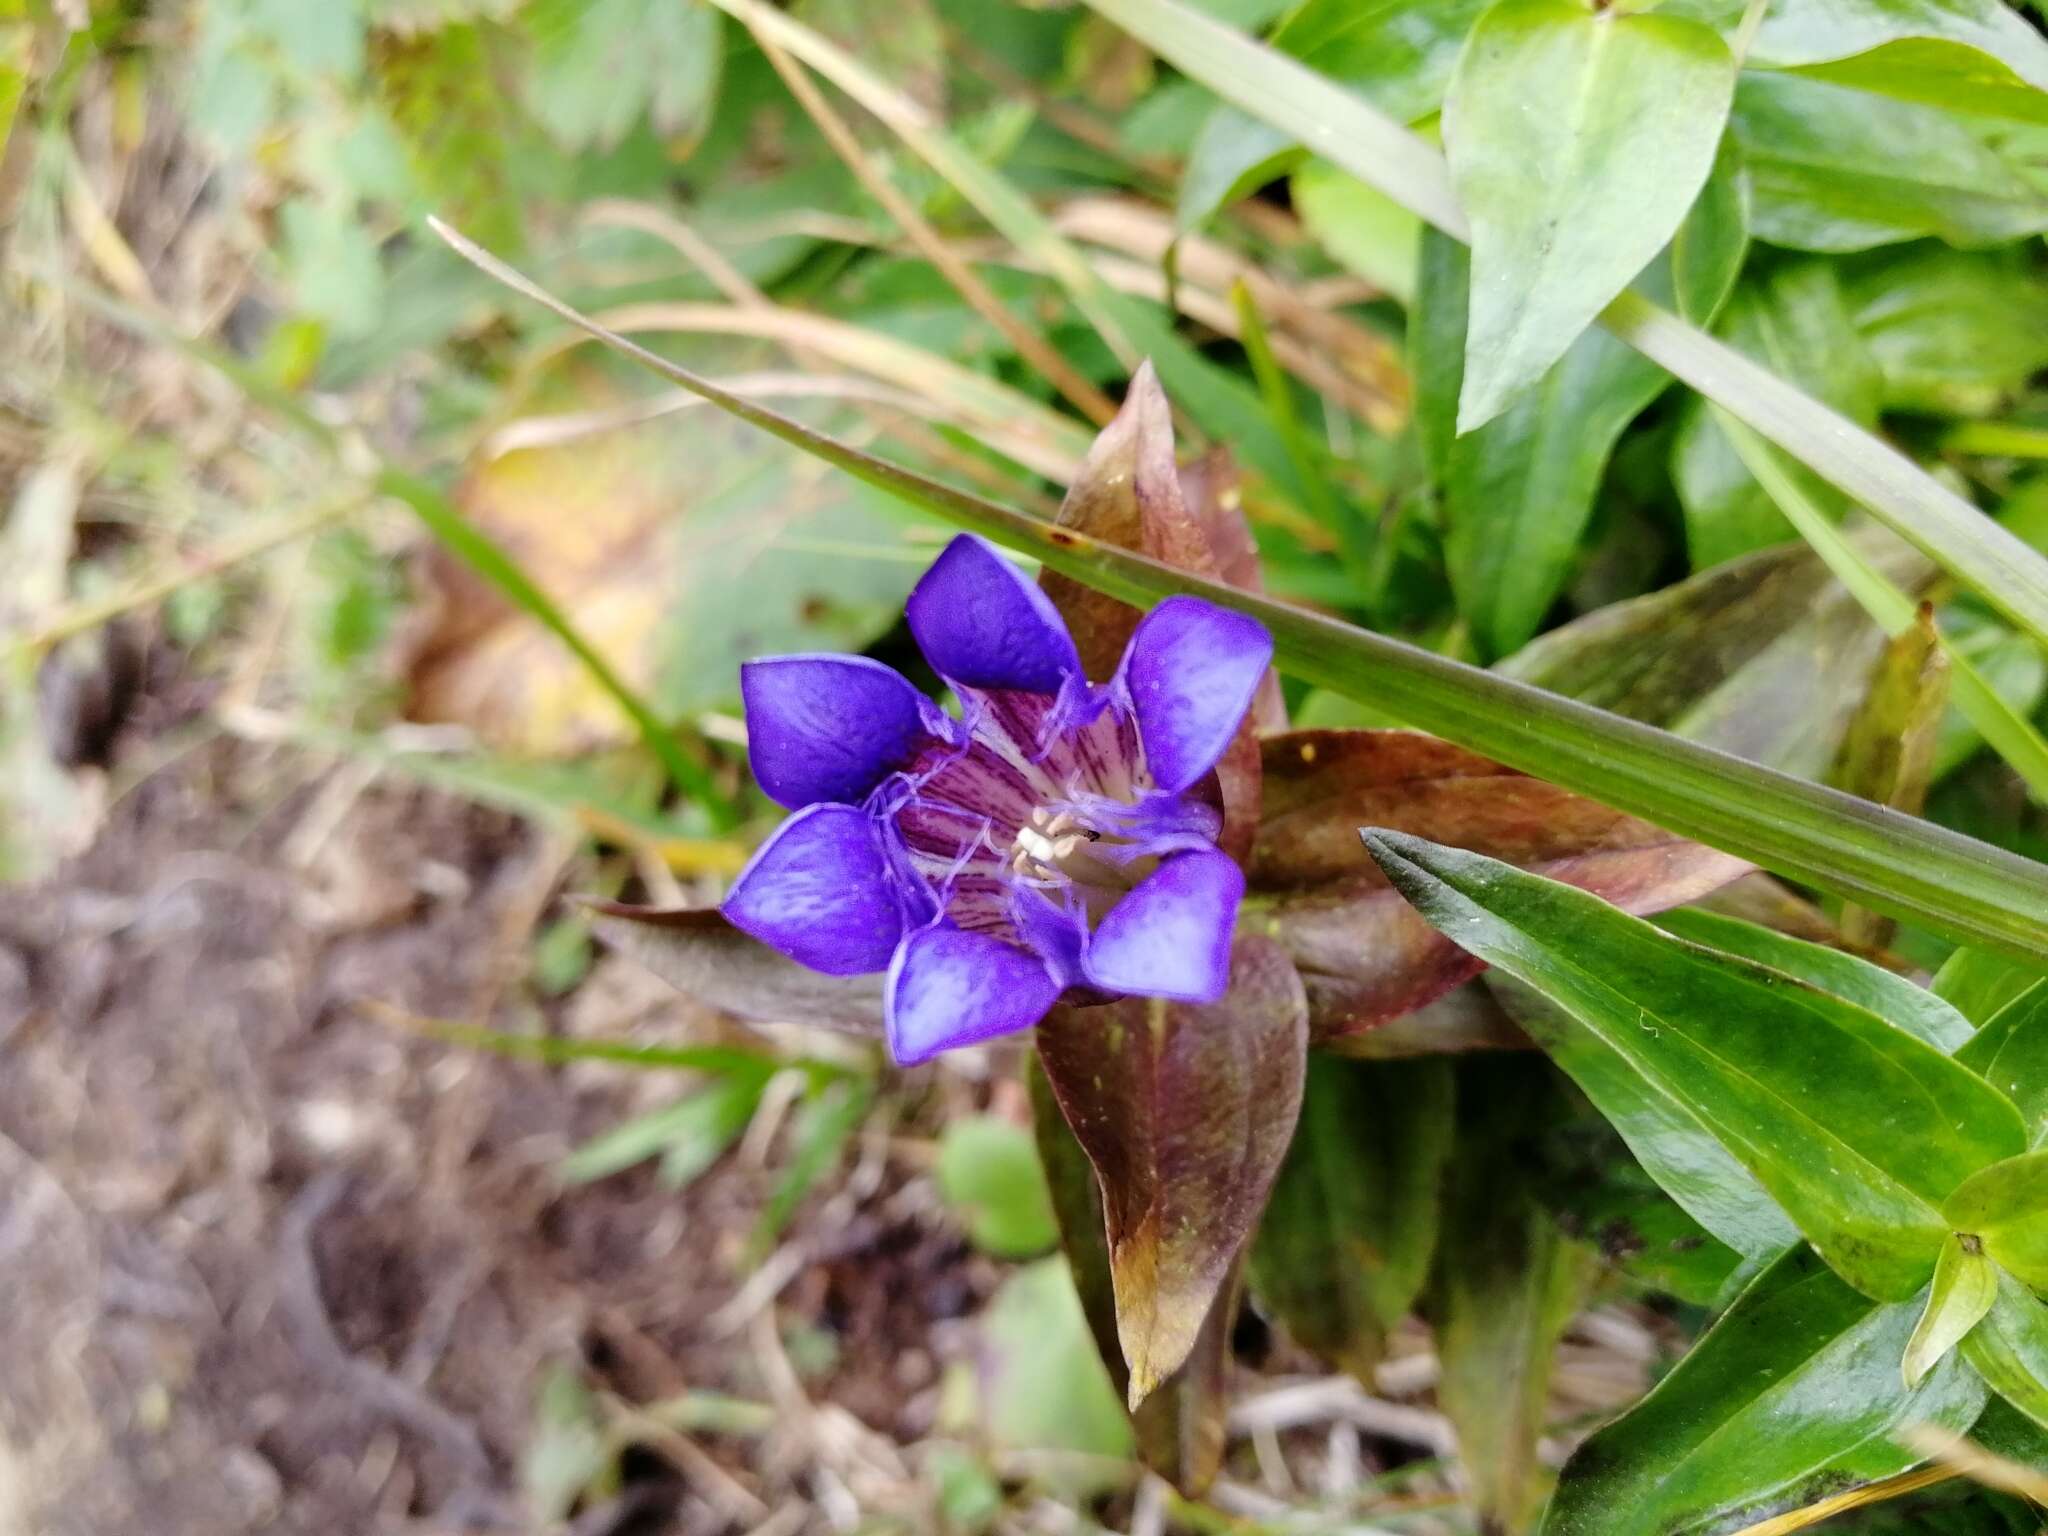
(1185,1112)
(696,951)
(1365,956)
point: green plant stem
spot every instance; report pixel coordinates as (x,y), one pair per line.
(1896,864)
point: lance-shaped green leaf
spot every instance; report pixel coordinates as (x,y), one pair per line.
(1577,141)
(700,954)
(1518,492)
(1670,1139)
(1345,1244)
(1185,1111)
(1885,993)
(2011,1054)
(2009,1349)
(1965,1283)
(1792,1395)
(2006,1207)
(1507,1281)
(1857,1129)
(1365,955)
(1956,885)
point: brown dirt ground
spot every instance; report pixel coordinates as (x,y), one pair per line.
(271,1263)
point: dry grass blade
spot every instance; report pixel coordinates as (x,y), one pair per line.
(1012,423)
(1966,1458)
(1856,1498)
(1031,346)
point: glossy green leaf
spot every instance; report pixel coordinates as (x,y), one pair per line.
(1507,1281)
(1672,1142)
(1835,169)
(2010,1053)
(1885,993)
(1577,141)
(1518,492)
(988,1173)
(1858,1133)
(2009,1349)
(1345,1244)
(1953,884)
(1965,1283)
(1794,1394)
(1797,321)
(1348,132)
(1397,54)
(1977,983)
(2006,1206)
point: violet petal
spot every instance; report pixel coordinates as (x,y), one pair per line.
(950,987)
(819,891)
(1190,674)
(982,623)
(827,727)
(1170,937)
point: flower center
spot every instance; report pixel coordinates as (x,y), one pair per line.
(1058,846)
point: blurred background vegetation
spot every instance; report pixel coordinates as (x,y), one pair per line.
(324,556)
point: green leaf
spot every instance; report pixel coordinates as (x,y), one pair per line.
(2006,1205)
(988,1173)
(1577,141)
(1232,157)
(1833,169)
(2009,1349)
(688,1135)
(441,93)
(1890,996)
(1507,1281)
(1858,1134)
(1955,885)
(1952,332)
(1966,55)
(1674,1144)
(1397,54)
(1519,491)
(602,67)
(1361,228)
(1043,1388)
(2011,1054)
(1797,321)
(1965,1283)
(1344,1247)
(1794,1394)
(1978,983)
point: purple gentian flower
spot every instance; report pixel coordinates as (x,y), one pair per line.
(1058,838)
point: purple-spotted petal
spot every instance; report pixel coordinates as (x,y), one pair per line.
(1190,674)
(949,987)
(832,727)
(819,891)
(981,623)
(1170,937)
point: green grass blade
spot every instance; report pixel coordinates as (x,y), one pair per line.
(1900,865)
(1344,130)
